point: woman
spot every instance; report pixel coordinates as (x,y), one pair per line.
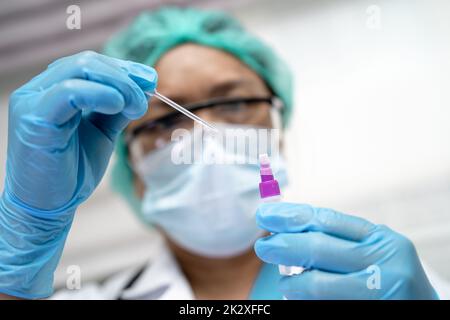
(68,119)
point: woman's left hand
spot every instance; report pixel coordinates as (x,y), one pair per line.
(346,257)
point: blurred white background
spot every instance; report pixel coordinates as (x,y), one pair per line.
(370,134)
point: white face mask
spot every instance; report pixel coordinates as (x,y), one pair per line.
(208,209)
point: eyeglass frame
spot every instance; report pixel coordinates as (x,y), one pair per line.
(274,101)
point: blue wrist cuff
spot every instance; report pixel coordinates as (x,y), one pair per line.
(31,244)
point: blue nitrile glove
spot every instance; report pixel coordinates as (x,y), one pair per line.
(347,257)
(62,129)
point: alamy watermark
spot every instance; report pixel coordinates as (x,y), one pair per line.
(73,281)
(73,20)
(373,20)
(374,280)
(230,145)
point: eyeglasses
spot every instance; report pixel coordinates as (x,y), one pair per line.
(154,134)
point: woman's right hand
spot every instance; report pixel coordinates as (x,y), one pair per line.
(63,124)
(62,128)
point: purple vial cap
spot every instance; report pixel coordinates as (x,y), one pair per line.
(268,187)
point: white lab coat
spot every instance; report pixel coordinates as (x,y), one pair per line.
(163,279)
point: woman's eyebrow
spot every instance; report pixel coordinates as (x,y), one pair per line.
(217,90)
(222,88)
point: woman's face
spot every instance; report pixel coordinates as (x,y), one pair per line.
(193,73)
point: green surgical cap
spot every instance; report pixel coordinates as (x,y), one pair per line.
(154,33)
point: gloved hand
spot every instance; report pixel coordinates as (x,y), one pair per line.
(347,257)
(62,128)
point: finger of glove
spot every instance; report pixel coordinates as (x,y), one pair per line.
(110,125)
(104,70)
(58,104)
(312,250)
(144,76)
(322,285)
(283,217)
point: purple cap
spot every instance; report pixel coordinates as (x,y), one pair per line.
(268,187)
